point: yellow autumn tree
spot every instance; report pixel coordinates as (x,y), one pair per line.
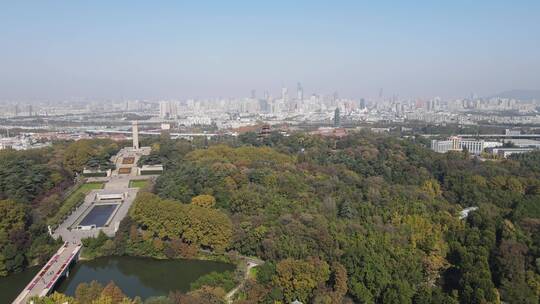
(432,187)
(204,200)
(298,278)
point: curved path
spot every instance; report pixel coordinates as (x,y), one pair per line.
(251,262)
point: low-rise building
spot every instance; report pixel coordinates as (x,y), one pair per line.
(505,152)
(473,146)
(96,172)
(455,143)
(151,170)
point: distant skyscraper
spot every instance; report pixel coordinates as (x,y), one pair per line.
(253,94)
(285,94)
(266,95)
(133,105)
(164,109)
(337,118)
(362,103)
(299,92)
(264,105)
(29,110)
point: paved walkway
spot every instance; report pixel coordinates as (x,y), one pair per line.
(117,183)
(114,184)
(250,263)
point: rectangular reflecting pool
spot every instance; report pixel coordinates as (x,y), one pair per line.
(98,215)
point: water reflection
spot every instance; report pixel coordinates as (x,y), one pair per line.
(140,276)
(12,285)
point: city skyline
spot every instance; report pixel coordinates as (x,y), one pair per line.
(64,50)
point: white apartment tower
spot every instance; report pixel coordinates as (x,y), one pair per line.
(284,94)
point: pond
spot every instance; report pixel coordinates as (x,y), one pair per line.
(142,277)
(12,285)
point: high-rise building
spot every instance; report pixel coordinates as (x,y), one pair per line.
(362,103)
(133,105)
(284,94)
(299,92)
(164,109)
(337,118)
(335,96)
(168,108)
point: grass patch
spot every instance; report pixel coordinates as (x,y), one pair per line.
(138,183)
(72,201)
(253,273)
(86,188)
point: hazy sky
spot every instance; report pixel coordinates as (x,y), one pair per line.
(168,49)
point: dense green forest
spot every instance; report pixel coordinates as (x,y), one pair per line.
(32,184)
(365,219)
(362,219)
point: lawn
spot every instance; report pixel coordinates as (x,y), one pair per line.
(72,201)
(253,272)
(138,183)
(90,186)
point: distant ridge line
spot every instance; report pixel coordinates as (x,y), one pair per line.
(520,94)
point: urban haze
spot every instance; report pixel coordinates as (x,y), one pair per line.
(193,152)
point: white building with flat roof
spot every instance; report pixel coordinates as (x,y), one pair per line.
(505,152)
(473,146)
(455,143)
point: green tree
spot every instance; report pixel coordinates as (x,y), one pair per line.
(77,155)
(224,280)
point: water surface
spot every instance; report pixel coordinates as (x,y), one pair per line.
(12,285)
(98,215)
(142,277)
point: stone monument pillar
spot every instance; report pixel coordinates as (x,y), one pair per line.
(135,136)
